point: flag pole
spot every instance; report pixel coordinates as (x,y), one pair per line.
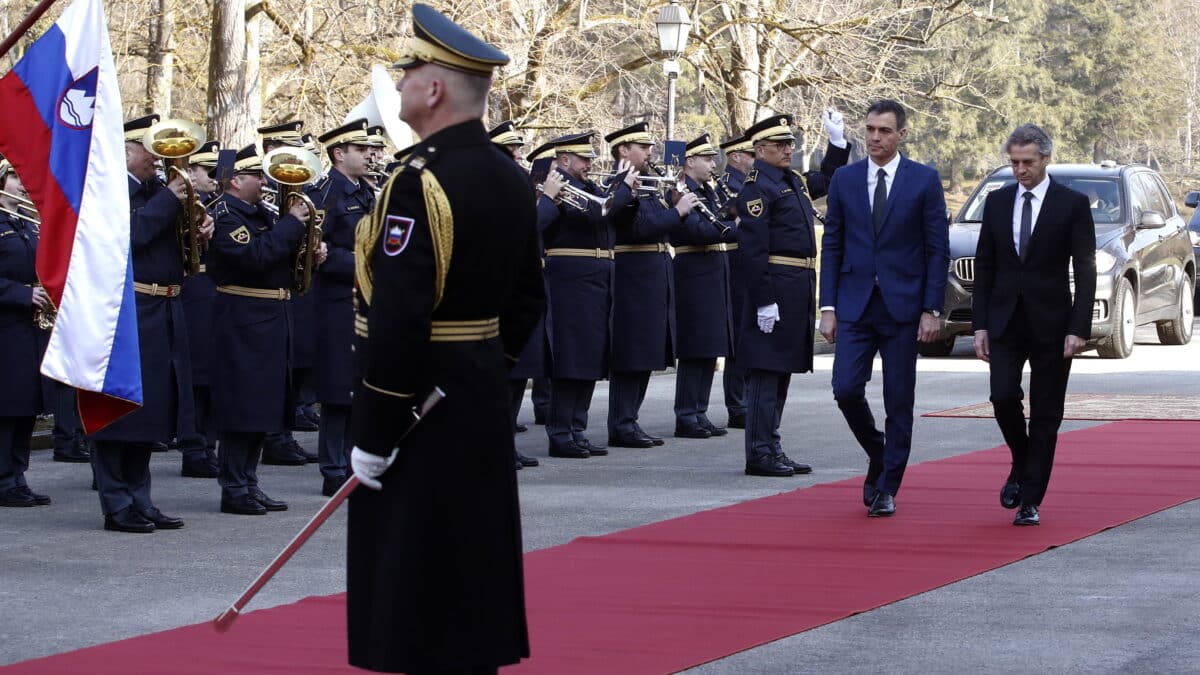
(24,26)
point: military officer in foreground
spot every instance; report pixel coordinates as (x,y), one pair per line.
(703,317)
(345,197)
(449,300)
(777,255)
(121,455)
(251,260)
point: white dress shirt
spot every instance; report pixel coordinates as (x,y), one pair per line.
(873,177)
(1039,198)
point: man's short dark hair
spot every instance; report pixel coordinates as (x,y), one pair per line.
(887,105)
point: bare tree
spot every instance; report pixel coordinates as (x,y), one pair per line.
(160,58)
(230,87)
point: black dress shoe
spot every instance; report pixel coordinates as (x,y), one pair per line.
(520,428)
(77,453)
(267,503)
(569,451)
(161,520)
(593,449)
(712,428)
(653,439)
(884,506)
(199,469)
(1010,495)
(283,455)
(630,441)
(768,465)
(128,520)
(736,421)
(38,499)
(797,467)
(242,505)
(302,422)
(16,497)
(524,460)
(869,493)
(683,430)
(1027,515)
(331,485)
(159,447)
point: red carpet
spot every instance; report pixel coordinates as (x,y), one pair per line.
(682,592)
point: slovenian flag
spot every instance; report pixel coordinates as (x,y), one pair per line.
(63,133)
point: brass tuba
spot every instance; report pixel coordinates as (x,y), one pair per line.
(294,168)
(173,140)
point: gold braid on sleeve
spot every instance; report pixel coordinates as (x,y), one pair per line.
(366,235)
(441,229)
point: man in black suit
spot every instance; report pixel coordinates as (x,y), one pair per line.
(1032,233)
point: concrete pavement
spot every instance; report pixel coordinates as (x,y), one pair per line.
(1121,601)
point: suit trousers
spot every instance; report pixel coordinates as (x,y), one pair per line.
(1032,446)
(626,392)
(766,394)
(202,404)
(122,471)
(876,332)
(516,395)
(540,397)
(67,427)
(693,386)
(16,433)
(567,417)
(334,441)
(237,461)
(733,380)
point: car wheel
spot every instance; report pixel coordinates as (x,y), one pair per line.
(937,348)
(1119,345)
(1178,331)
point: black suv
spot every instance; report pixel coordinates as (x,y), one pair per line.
(1145,267)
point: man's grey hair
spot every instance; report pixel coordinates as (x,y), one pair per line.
(1027,134)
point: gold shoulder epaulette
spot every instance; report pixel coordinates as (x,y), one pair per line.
(752,176)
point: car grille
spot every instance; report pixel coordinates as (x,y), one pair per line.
(964,270)
(961,316)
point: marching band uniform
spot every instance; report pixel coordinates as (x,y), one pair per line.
(121,454)
(733,380)
(344,201)
(703,316)
(198,293)
(24,344)
(531,362)
(280,447)
(449,300)
(777,255)
(579,243)
(251,260)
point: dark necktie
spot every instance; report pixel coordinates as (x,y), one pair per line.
(1026,225)
(880,205)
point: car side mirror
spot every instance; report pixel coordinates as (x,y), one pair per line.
(1192,199)
(1151,220)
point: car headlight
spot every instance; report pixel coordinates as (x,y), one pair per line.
(1195,237)
(1104,262)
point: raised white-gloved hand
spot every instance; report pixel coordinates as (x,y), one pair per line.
(768,316)
(369,467)
(834,128)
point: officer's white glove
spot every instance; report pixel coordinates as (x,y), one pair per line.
(834,128)
(768,316)
(368,467)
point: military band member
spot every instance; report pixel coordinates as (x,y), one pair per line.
(24,343)
(281,448)
(449,300)
(531,362)
(579,244)
(251,259)
(199,445)
(345,197)
(643,330)
(703,317)
(121,454)
(777,255)
(377,142)
(739,159)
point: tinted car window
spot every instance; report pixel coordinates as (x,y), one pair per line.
(1154,195)
(1139,199)
(1104,194)
(1157,181)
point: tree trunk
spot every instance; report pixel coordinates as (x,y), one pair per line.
(161,59)
(955,171)
(230,119)
(744,85)
(254,86)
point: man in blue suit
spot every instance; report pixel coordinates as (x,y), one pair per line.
(884,257)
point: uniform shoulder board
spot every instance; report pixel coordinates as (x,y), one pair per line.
(803,181)
(221,208)
(416,161)
(752,176)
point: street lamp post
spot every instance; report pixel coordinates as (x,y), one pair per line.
(673,27)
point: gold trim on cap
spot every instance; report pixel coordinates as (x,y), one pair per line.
(248,164)
(509,138)
(418,49)
(581,150)
(780,131)
(639,137)
(702,150)
(744,146)
(355,136)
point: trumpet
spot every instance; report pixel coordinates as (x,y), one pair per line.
(702,208)
(173,141)
(294,168)
(43,317)
(21,203)
(579,198)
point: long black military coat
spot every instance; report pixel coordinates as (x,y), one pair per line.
(21,342)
